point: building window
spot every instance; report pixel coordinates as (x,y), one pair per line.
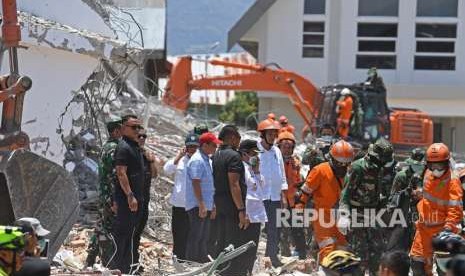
(378,61)
(435,46)
(313,39)
(314,6)
(376,45)
(377,30)
(378,7)
(437,8)
(436,30)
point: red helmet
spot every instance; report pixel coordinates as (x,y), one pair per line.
(286,135)
(437,152)
(283,119)
(271,116)
(342,152)
(268,124)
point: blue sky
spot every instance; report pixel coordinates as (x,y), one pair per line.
(195,26)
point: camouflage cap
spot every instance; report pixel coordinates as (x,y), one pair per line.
(418,154)
(200,129)
(382,150)
(113,123)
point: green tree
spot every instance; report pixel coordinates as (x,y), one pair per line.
(237,110)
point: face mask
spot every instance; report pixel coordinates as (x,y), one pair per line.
(253,161)
(42,243)
(438,173)
(339,170)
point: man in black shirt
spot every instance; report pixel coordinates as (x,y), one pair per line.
(230,192)
(150,170)
(128,194)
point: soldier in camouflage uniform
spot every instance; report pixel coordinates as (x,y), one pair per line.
(101,243)
(312,156)
(363,188)
(407,180)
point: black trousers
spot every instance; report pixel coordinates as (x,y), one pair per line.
(252,233)
(228,232)
(180,231)
(197,242)
(124,232)
(144,217)
(34,266)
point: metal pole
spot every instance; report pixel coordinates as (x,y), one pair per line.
(205,91)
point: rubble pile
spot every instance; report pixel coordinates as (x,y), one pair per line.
(104,98)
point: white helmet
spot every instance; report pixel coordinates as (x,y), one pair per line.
(345,92)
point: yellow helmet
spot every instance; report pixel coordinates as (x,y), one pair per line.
(11,238)
(341,261)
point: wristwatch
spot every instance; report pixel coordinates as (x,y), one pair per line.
(130,194)
(241,209)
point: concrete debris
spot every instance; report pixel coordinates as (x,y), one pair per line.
(106,95)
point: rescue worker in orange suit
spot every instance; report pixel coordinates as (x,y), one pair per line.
(285,126)
(440,208)
(324,184)
(344,110)
(286,143)
(271,117)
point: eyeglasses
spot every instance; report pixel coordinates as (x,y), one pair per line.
(143,136)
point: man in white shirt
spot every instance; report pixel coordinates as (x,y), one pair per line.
(179,219)
(272,168)
(255,209)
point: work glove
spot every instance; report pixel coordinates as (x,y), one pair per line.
(343,222)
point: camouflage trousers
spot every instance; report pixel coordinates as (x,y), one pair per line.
(101,243)
(368,244)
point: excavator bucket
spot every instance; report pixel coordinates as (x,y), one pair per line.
(33,186)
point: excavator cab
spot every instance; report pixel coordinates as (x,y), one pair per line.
(370,113)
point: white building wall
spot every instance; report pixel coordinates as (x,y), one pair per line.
(55,74)
(439,93)
(74,13)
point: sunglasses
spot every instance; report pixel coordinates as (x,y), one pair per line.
(143,136)
(134,127)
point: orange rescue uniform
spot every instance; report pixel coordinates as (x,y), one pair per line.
(325,189)
(440,207)
(345,112)
(293,177)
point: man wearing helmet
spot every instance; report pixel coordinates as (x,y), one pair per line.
(440,208)
(363,189)
(272,168)
(344,110)
(12,243)
(286,143)
(285,126)
(324,184)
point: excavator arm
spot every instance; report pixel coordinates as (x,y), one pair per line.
(303,94)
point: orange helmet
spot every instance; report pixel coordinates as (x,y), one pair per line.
(286,135)
(437,152)
(271,116)
(342,152)
(283,119)
(268,124)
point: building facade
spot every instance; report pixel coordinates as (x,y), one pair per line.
(418,47)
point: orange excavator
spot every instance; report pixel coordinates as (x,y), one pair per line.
(30,185)
(371,117)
